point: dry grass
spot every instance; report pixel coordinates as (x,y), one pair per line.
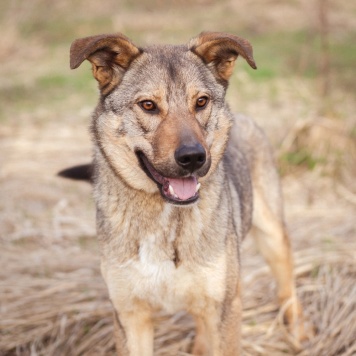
(53,301)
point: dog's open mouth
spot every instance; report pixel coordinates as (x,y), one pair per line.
(181,191)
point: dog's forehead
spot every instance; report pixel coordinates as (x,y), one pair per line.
(167,71)
(165,53)
(172,64)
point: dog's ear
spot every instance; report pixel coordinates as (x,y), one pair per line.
(110,56)
(219,51)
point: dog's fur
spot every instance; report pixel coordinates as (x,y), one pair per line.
(163,252)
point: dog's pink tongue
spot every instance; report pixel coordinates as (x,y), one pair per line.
(184,188)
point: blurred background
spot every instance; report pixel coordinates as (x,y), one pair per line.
(52,298)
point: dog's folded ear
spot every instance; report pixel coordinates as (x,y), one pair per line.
(110,56)
(219,51)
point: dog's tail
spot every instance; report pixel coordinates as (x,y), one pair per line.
(82,172)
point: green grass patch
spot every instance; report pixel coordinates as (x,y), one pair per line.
(17,99)
(281,54)
(299,159)
(343,52)
(88,242)
(314,273)
(82,80)
(51,90)
(328,241)
(353,132)
(263,74)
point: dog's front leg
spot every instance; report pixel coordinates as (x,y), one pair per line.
(134,332)
(218,330)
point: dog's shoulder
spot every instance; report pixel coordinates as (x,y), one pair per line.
(247,144)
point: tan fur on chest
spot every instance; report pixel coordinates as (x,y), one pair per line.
(167,271)
(154,278)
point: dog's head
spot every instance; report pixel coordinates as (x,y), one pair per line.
(162,118)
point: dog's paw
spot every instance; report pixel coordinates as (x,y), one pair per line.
(300,329)
(200,347)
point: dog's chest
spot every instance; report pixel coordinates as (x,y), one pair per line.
(156,277)
(177,266)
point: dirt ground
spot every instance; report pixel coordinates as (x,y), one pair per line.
(52,298)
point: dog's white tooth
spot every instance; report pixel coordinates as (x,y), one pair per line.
(171,190)
(198,187)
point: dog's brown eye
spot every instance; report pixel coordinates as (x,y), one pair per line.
(148,105)
(201,102)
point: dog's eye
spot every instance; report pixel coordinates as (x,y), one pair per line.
(148,105)
(201,102)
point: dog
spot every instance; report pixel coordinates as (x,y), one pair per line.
(178,183)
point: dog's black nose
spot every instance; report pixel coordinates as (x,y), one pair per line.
(190,157)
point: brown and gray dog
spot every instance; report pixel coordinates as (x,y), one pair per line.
(178,181)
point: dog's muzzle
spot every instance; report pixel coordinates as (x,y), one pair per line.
(181,191)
